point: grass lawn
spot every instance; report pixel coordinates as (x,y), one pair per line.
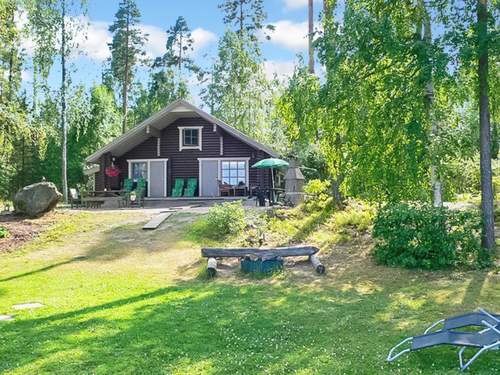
(119,300)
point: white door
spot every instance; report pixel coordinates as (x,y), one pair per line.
(157,179)
(209,175)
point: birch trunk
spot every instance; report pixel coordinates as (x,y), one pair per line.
(484,128)
(436,185)
(63,104)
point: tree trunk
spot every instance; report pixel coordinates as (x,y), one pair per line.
(125,78)
(180,55)
(337,194)
(484,128)
(241,18)
(11,58)
(63,104)
(436,185)
(310,35)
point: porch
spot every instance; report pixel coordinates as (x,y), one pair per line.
(115,202)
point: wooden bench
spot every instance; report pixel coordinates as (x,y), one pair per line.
(93,202)
(263,253)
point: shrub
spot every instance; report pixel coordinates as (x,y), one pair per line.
(225,219)
(4,232)
(356,215)
(318,195)
(422,236)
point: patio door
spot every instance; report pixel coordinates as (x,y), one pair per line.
(157,178)
(209,174)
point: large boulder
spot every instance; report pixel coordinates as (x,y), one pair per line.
(36,199)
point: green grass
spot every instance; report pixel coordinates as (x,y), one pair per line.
(122,300)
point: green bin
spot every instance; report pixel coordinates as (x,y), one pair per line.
(261,265)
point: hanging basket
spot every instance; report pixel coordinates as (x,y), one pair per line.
(112,171)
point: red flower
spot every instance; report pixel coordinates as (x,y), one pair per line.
(112,171)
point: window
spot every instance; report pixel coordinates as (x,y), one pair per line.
(234,172)
(139,170)
(190,137)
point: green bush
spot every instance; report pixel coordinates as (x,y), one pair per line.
(225,219)
(356,214)
(422,236)
(4,232)
(317,194)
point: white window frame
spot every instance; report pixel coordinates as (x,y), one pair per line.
(219,169)
(181,136)
(148,161)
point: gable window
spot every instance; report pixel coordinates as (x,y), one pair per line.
(190,137)
(234,172)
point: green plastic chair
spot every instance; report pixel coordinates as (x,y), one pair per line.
(128,185)
(192,184)
(141,184)
(140,193)
(178,187)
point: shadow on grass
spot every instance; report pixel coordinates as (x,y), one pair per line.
(311,224)
(217,328)
(473,292)
(119,242)
(43,269)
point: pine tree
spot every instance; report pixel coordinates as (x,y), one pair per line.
(248,16)
(126,49)
(179,45)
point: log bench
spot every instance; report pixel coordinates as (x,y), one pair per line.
(263,253)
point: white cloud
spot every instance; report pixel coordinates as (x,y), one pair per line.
(94,38)
(93,43)
(157,38)
(202,38)
(282,69)
(291,35)
(296,4)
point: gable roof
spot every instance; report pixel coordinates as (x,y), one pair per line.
(175,110)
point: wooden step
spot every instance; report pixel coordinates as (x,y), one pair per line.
(156,221)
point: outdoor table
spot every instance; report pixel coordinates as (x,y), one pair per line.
(96,198)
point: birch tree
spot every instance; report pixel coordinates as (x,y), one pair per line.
(484,126)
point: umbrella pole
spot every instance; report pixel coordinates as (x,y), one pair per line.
(272,184)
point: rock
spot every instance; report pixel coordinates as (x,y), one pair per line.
(25,306)
(37,199)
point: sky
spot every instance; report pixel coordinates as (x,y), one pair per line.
(204,19)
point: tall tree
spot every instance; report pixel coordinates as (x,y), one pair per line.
(68,28)
(239,90)
(126,49)
(484,126)
(163,88)
(42,28)
(248,16)
(63,53)
(310,35)
(424,33)
(179,46)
